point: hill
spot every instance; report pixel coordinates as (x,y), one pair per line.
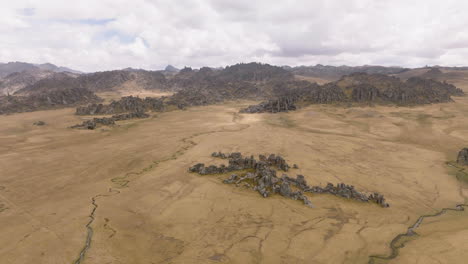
(15,76)
(46,100)
(12,67)
(333,73)
(361,88)
(100,81)
(18,80)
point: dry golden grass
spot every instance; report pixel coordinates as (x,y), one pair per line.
(153,211)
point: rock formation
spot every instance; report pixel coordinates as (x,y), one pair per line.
(47,100)
(125,104)
(39,123)
(18,80)
(101,81)
(259,175)
(462,158)
(333,73)
(275,86)
(359,88)
(109,121)
(284,104)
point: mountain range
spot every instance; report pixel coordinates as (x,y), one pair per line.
(48,87)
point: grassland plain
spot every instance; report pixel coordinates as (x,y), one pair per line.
(151,210)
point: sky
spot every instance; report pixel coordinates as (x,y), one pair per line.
(97,35)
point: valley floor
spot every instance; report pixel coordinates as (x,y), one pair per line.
(151,210)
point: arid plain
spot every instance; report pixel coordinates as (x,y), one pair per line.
(150,209)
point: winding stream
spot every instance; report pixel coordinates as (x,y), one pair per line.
(123,181)
(89,229)
(399,241)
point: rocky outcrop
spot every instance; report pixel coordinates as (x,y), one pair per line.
(336,72)
(18,80)
(109,121)
(462,158)
(284,104)
(433,73)
(275,86)
(55,82)
(359,88)
(254,72)
(364,93)
(132,115)
(101,81)
(125,104)
(348,192)
(387,89)
(47,100)
(211,93)
(260,175)
(93,123)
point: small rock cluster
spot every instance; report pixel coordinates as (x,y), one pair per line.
(39,123)
(463,157)
(93,123)
(108,121)
(261,177)
(348,191)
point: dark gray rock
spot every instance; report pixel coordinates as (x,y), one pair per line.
(265,181)
(231,179)
(283,104)
(463,157)
(39,123)
(125,104)
(109,121)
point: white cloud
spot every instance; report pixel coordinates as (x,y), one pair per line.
(107,34)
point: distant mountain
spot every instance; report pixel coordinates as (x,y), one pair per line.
(130,69)
(11,67)
(132,79)
(241,81)
(333,73)
(54,68)
(170,68)
(15,76)
(18,80)
(47,100)
(117,80)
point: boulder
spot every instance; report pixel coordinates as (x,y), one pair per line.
(462,158)
(39,123)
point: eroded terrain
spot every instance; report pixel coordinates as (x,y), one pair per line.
(150,209)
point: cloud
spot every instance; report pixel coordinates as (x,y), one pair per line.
(108,34)
(88,21)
